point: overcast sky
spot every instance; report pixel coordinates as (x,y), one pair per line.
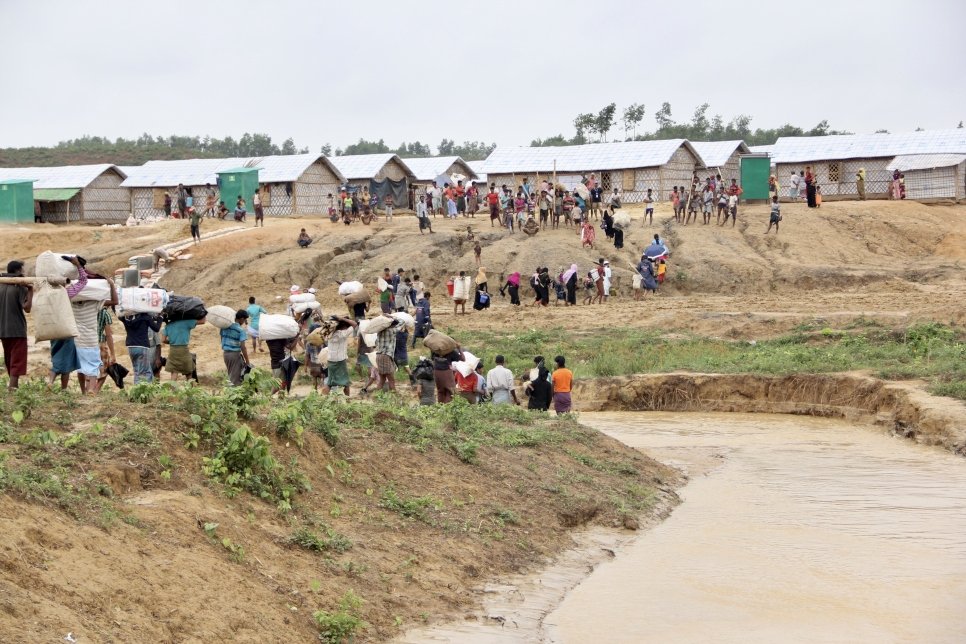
(503,71)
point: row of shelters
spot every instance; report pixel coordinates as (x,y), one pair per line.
(631,167)
(933,162)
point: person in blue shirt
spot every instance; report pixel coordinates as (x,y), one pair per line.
(233,348)
(254,313)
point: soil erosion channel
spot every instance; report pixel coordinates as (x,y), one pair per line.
(791,529)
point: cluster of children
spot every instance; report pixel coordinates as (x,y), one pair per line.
(713,195)
(354,205)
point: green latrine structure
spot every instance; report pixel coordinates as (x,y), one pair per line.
(755,170)
(235,182)
(17,201)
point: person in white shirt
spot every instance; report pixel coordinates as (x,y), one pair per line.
(607,276)
(422,215)
(499,383)
(794,187)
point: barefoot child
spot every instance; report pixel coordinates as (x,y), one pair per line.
(776,215)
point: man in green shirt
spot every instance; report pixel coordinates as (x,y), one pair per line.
(194,216)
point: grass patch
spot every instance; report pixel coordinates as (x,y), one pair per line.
(933,352)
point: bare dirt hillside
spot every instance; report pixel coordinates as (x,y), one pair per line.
(895,263)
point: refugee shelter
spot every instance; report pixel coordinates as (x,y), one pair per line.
(932,176)
(722,157)
(17,201)
(293,184)
(479,168)
(382,173)
(836,159)
(426,170)
(631,166)
(88,193)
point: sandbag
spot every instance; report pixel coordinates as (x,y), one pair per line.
(184,307)
(378,323)
(277,327)
(94,291)
(322,357)
(382,284)
(302,307)
(622,220)
(461,288)
(405,318)
(359,297)
(50,263)
(142,300)
(370,340)
(439,342)
(348,288)
(52,314)
(221,316)
(319,336)
(299,298)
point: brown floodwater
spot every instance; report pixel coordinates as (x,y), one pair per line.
(791,529)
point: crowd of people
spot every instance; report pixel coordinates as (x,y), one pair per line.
(158,342)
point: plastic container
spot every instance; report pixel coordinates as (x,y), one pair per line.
(449,287)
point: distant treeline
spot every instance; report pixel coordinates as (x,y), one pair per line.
(595,128)
(97,149)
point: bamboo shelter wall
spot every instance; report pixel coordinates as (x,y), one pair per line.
(935,183)
(104,200)
(837,178)
(56,211)
(312,189)
(392,170)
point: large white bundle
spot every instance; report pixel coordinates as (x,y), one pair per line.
(461,288)
(277,327)
(94,291)
(382,284)
(52,313)
(299,298)
(322,357)
(348,288)
(52,264)
(378,323)
(467,365)
(302,307)
(220,316)
(622,220)
(370,339)
(405,318)
(142,300)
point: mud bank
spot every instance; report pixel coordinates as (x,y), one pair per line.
(900,408)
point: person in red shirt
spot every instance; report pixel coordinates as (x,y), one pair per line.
(460,198)
(493,201)
(734,189)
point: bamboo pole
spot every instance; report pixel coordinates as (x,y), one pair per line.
(31,281)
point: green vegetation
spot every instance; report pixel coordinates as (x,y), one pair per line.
(305,537)
(933,352)
(340,626)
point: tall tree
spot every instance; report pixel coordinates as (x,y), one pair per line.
(583,123)
(604,120)
(288,146)
(633,115)
(663,117)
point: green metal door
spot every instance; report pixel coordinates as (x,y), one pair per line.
(17,201)
(238,182)
(755,170)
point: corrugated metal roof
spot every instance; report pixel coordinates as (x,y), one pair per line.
(55,194)
(198,172)
(364,166)
(68,176)
(717,153)
(925,161)
(800,149)
(428,168)
(589,157)
(761,149)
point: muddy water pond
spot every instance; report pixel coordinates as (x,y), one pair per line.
(791,529)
